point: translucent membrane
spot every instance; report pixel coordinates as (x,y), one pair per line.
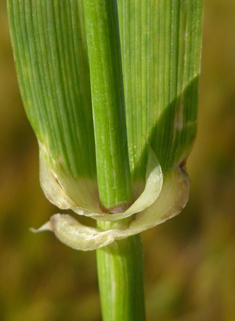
(160,200)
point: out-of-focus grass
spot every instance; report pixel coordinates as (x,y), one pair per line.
(189,260)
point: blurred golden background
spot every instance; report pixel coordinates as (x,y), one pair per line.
(189,260)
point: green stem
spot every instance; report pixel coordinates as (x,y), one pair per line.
(120,266)
(113,171)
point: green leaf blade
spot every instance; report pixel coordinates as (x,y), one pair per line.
(51,58)
(161,45)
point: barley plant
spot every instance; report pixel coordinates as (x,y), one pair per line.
(110,88)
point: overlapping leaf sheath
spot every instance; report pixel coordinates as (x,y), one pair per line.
(160,59)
